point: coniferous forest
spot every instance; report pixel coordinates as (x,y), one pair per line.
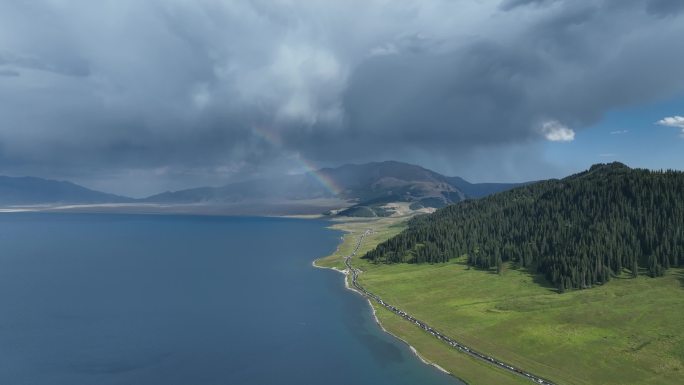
(578,232)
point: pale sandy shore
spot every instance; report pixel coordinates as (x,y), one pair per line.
(308,209)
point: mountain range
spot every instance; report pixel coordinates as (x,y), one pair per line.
(365,188)
(32,191)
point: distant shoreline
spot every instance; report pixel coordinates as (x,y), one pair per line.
(305,209)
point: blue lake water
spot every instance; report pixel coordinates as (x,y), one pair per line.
(135,299)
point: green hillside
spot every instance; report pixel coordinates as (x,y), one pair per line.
(578,232)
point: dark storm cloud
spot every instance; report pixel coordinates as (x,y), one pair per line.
(199,92)
(66,66)
(665,7)
(569,66)
(9,73)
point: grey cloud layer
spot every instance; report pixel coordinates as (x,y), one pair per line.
(218,88)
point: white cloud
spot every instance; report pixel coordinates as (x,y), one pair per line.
(554,131)
(619,132)
(673,121)
(386,49)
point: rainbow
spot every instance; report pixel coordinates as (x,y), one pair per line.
(272,137)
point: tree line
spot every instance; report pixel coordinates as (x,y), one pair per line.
(579,231)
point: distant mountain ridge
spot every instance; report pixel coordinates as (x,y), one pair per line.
(32,191)
(479,190)
(392,181)
(365,187)
(368,185)
(372,181)
(293,187)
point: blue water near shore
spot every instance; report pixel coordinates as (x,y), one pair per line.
(132,299)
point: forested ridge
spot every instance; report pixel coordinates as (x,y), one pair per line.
(578,231)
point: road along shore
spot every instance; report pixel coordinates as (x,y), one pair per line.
(354,273)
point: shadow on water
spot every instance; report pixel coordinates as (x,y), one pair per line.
(381,350)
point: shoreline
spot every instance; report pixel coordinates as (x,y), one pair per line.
(415,351)
(342,258)
(304,209)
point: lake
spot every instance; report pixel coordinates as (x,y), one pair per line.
(155,299)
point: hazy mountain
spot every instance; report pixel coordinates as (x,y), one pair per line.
(31,191)
(369,185)
(391,181)
(366,188)
(291,187)
(479,190)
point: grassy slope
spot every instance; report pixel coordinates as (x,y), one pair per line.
(384,229)
(458,364)
(461,365)
(628,331)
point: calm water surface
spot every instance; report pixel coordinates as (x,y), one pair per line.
(133,299)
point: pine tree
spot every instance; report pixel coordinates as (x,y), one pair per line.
(577,231)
